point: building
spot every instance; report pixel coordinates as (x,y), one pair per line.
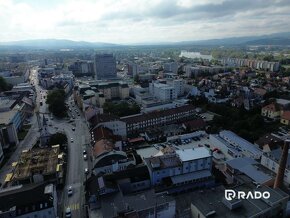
(117,126)
(105,66)
(167,92)
(212,203)
(1,152)
(285,117)
(141,204)
(269,142)
(170,67)
(271,161)
(132,69)
(82,68)
(32,200)
(180,170)
(111,161)
(250,168)
(92,93)
(162,91)
(271,111)
(234,146)
(140,122)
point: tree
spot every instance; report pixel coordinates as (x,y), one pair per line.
(56,102)
(121,109)
(58,139)
(4,86)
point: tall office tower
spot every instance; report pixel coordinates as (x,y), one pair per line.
(105,66)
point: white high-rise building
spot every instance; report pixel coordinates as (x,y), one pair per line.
(105,66)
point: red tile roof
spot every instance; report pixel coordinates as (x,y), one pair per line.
(102,146)
(271,107)
(286,115)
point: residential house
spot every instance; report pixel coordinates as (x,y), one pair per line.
(285,118)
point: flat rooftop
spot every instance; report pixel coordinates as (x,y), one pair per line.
(192,154)
(6,116)
(211,200)
(115,203)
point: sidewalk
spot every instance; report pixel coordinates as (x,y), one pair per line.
(27,143)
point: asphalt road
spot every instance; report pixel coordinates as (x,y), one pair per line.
(76,163)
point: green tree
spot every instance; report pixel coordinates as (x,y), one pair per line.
(121,109)
(58,139)
(56,102)
(4,86)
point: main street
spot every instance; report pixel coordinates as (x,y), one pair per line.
(80,136)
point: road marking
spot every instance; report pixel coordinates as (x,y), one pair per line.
(74,206)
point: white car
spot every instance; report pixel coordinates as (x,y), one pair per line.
(85,157)
(71,140)
(69,191)
(68,212)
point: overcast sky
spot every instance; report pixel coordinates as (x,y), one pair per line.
(137,21)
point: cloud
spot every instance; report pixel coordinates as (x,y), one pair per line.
(125,21)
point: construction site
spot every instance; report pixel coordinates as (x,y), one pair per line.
(38,165)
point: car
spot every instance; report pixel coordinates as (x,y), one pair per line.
(84,152)
(86,170)
(85,157)
(71,140)
(73,129)
(69,191)
(67,212)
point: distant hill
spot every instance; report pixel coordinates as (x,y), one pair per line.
(271,39)
(282,38)
(55,43)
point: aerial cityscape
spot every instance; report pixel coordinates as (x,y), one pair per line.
(144,109)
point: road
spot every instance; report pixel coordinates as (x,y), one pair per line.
(76,164)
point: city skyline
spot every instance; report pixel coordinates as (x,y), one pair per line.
(125,21)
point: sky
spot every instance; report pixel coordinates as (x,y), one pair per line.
(141,21)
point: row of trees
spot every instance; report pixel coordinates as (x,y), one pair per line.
(121,109)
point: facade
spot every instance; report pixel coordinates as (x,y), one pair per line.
(271,111)
(82,68)
(271,161)
(162,91)
(112,161)
(141,122)
(40,201)
(8,135)
(167,92)
(105,66)
(285,117)
(171,67)
(1,152)
(187,168)
(255,64)
(132,69)
(141,204)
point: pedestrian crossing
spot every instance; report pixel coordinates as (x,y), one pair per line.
(75,206)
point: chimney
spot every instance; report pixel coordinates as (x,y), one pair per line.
(282,165)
